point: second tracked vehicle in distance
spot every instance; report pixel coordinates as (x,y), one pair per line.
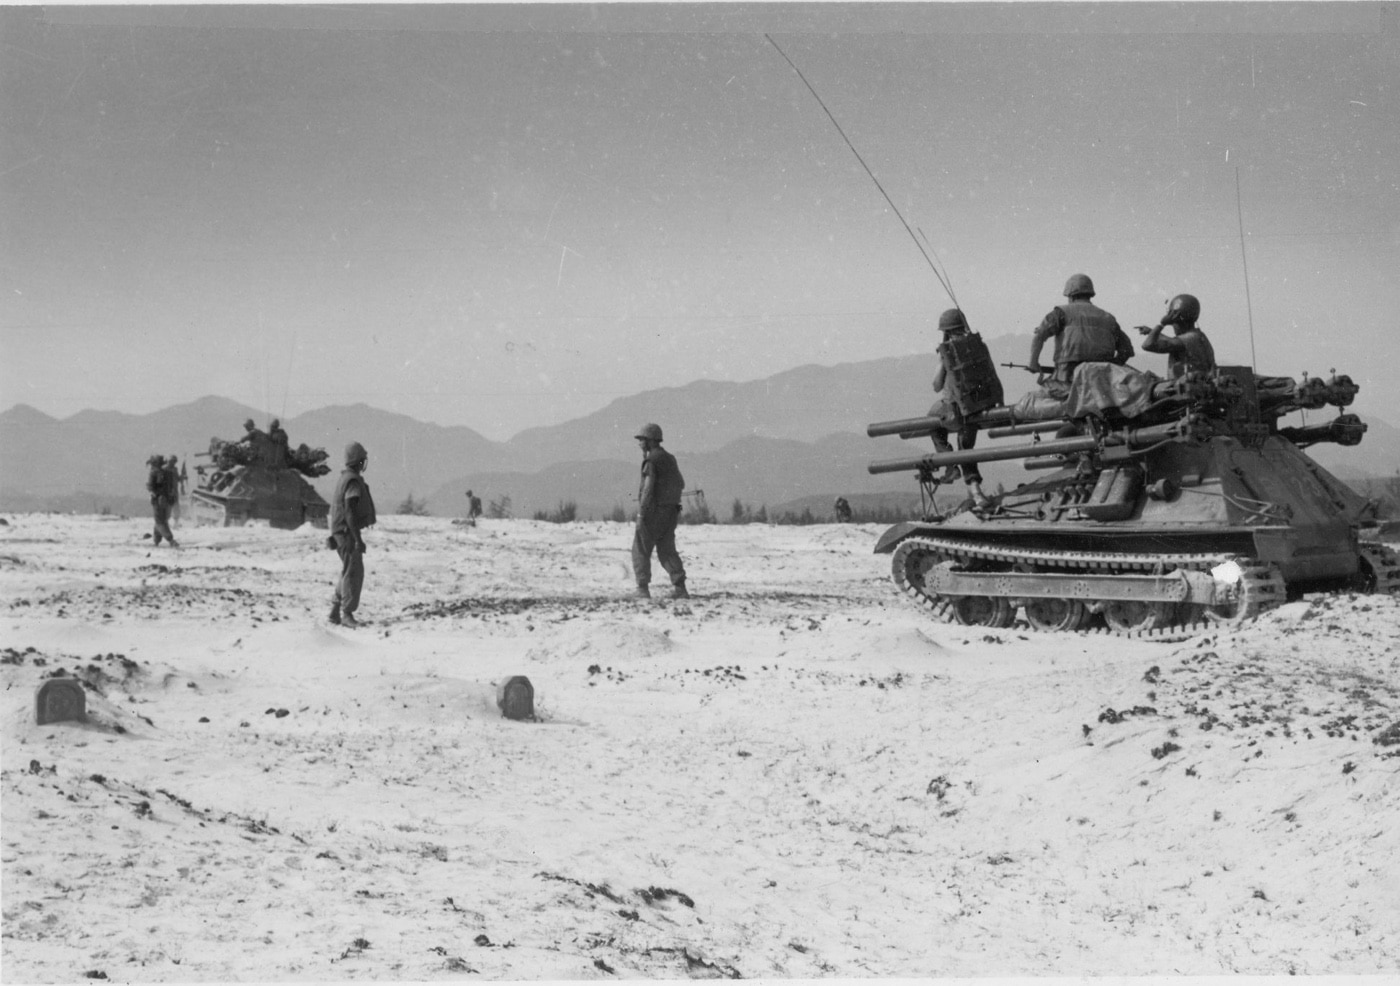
(1164,505)
(259,478)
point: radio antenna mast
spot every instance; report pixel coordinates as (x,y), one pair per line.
(932,266)
(1244,261)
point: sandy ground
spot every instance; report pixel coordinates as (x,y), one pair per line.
(793,774)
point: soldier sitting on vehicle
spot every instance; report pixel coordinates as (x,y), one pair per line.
(1083,333)
(950,407)
(281,449)
(1188,349)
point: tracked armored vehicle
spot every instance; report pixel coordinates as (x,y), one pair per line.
(1166,505)
(259,478)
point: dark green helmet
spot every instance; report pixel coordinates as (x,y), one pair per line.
(1079,284)
(1184,309)
(952,321)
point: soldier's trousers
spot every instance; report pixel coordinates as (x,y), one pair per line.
(160,511)
(352,574)
(967,438)
(656,531)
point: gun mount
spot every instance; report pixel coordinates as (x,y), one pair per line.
(1167,505)
(259,478)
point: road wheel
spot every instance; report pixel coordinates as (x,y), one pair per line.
(983,611)
(1133,615)
(1056,614)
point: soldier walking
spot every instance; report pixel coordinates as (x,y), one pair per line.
(352,510)
(473,508)
(843,510)
(158,486)
(658,512)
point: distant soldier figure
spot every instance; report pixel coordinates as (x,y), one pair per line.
(158,486)
(176,486)
(952,323)
(1189,350)
(843,511)
(1083,333)
(352,510)
(473,508)
(251,434)
(281,446)
(658,512)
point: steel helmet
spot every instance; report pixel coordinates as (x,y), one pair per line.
(249,424)
(1079,284)
(355,452)
(1184,309)
(952,320)
(650,431)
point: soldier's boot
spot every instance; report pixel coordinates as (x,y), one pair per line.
(335,613)
(678,591)
(348,620)
(642,593)
(979,498)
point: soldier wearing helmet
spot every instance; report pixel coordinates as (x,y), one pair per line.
(952,323)
(658,512)
(1083,333)
(352,510)
(158,486)
(173,486)
(1188,349)
(281,454)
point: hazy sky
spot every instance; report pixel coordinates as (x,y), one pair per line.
(505,217)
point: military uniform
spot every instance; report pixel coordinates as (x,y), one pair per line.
(658,513)
(352,510)
(1188,350)
(1083,333)
(158,486)
(281,452)
(951,322)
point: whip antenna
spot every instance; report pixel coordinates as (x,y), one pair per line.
(1244,261)
(932,266)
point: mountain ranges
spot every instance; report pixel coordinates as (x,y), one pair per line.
(794,436)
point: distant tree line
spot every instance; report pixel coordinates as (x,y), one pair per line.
(1384,490)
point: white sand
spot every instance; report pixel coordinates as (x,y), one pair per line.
(794,774)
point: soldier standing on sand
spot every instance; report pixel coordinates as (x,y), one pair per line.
(843,511)
(658,512)
(473,508)
(352,510)
(174,486)
(158,486)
